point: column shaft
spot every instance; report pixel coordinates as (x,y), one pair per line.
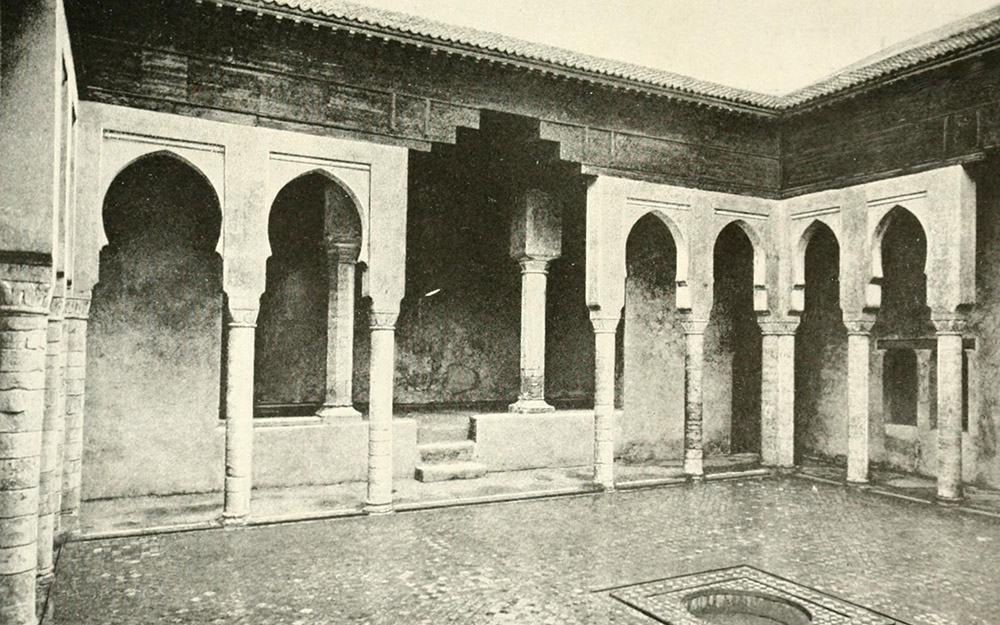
(22,400)
(949,421)
(381,380)
(53,431)
(857,402)
(604,402)
(533,287)
(77,310)
(778,393)
(694,362)
(239,416)
(923,388)
(340,336)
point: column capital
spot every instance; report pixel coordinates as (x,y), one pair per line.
(604,325)
(343,253)
(778,327)
(950,324)
(57,308)
(77,306)
(694,326)
(383,320)
(859,326)
(534,264)
(25,288)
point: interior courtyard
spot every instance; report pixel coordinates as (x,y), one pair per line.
(317,313)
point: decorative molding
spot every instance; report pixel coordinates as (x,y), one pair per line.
(816,212)
(287,157)
(534,265)
(950,325)
(384,320)
(25,289)
(658,204)
(896,199)
(130,137)
(242,317)
(77,307)
(729,212)
(57,308)
(778,327)
(859,327)
(605,325)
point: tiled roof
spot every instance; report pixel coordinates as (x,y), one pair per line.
(965,34)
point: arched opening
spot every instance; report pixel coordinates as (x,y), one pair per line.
(732,349)
(315,235)
(820,351)
(905,342)
(653,347)
(154,337)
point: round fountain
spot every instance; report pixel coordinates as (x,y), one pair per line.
(737,607)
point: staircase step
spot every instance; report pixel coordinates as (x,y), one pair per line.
(449,471)
(451,451)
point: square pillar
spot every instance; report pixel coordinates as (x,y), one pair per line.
(604,400)
(923,388)
(535,240)
(338,403)
(382,375)
(76,313)
(694,364)
(241,328)
(949,402)
(858,356)
(778,393)
(53,431)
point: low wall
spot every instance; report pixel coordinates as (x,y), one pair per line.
(325,453)
(511,442)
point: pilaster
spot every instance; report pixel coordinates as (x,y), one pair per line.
(341,265)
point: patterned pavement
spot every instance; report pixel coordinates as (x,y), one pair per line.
(544,561)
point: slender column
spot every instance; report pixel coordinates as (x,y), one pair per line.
(53,431)
(923,388)
(949,402)
(778,393)
(604,401)
(694,363)
(23,320)
(241,326)
(534,276)
(858,340)
(383,369)
(77,311)
(340,334)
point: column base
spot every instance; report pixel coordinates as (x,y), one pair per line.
(531,406)
(949,501)
(338,412)
(377,509)
(234,521)
(857,481)
(694,468)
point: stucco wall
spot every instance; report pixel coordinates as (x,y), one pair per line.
(154,338)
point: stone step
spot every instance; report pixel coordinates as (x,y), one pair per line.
(450,451)
(449,471)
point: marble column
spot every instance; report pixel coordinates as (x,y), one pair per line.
(778,392)
(858,355)
(382,374)
(340,334)
(694,364)
(949,405)
(53,431)
(24,303)
(241,327)
(604,400)
(531,398)
(77,311)
(535,240)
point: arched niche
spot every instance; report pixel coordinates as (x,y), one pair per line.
(154,337)
(759,261)
(799,262)
(899,275)
(682,262)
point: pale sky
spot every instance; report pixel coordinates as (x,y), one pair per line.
(773,46)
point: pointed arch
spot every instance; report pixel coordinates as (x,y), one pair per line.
(893,216)
(799,260)
(216,220)
(344,225)
(682,258)
(759,261)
